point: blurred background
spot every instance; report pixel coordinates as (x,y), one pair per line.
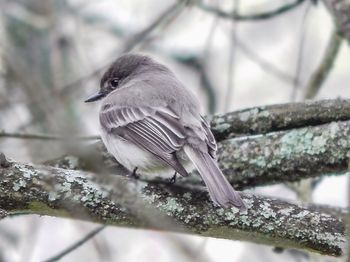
(53,53)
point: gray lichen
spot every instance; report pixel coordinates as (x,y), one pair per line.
(3,213)
(286,155)
(61,192)
(267,119)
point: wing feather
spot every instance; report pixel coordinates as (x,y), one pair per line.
(156,130)
(210,140)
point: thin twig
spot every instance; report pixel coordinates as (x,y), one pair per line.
(198,64)
(320,75)
(340,11)
(76,245)
(265,65)
(168,15)
(232,60)
(19,213)
(163,23)
(300,53)
(4,134)
(252,17)
(204,76)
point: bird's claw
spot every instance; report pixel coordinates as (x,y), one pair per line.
(133,174)
(173,179)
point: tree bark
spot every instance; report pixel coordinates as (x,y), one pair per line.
(267,119)
(60,192)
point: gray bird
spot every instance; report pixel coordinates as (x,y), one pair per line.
(151,122)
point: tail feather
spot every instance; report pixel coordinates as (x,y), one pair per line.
(220,190)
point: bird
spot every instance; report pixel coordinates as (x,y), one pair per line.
(151,123)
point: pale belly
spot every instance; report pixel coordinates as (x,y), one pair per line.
(132,156)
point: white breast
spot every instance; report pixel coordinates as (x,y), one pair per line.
(131,156)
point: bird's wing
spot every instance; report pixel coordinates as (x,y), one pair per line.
(157,130)
(209,138)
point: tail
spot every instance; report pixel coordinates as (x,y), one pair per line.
(220,190)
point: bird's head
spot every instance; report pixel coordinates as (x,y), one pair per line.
(120,72)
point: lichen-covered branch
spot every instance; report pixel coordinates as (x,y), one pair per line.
(66,193)
(266,119)
(287,155)
(3,214)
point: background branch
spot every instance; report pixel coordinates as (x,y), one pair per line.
(340,11)
(75,245)
(326,65)
(4,134)
(251,17)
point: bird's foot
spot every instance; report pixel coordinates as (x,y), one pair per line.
(173,179)
(133,174)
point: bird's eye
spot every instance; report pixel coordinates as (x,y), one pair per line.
(114,82)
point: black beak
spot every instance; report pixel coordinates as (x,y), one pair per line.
(95,97)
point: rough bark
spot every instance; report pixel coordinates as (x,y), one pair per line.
(286,156)
(67,193)
(266,119)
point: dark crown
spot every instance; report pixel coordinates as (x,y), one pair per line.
(124,66)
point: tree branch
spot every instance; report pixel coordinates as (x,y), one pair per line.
(31,136)
(266,119)
(76,245)
(286,156)
(251,17)
(340,11)
(320,75)
(67,193)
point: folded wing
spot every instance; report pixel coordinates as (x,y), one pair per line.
(157,130)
